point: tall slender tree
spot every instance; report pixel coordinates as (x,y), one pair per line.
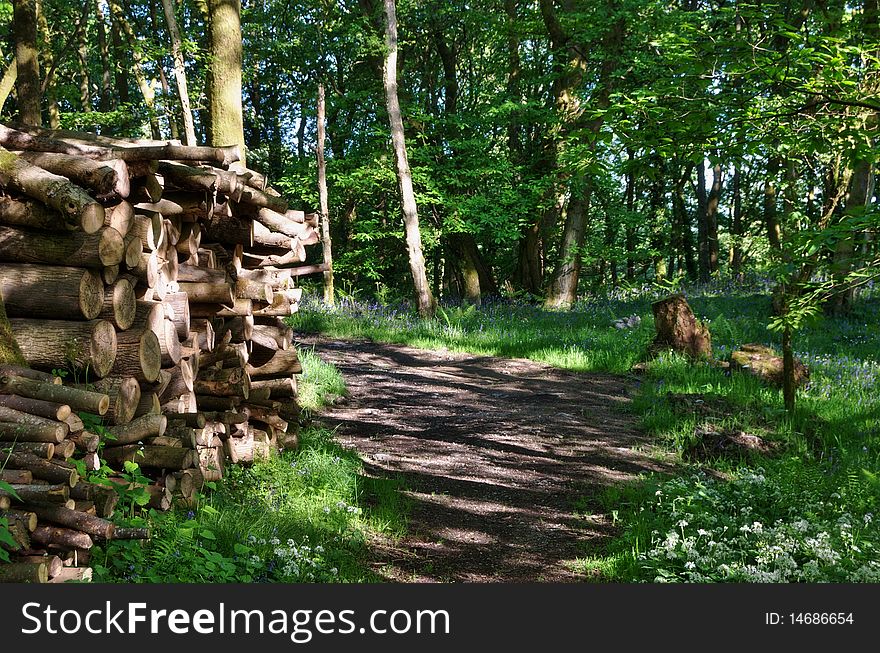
(424,296)
(27,84)
(224,88)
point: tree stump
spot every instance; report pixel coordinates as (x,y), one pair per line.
(679,330)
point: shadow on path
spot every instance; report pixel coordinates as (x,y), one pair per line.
(493,453)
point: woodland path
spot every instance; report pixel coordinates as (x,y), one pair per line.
(494,453)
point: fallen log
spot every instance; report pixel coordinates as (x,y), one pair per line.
(107,178)
(95,526)
(57,536)
(119,304)
(138,355)
(143,427)
(174,458)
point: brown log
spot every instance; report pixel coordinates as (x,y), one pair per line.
(240,327)
(229,229)
(247,289)
(52,292)
(277,388)
(18,426)
(225,156)
(270,336)
(194,274)
(160,497)
(147,188)
(229,354)
(94,526)
(52,190)
(104,497)
(53,563)
(205,331)
(28,373)
(261,199)
(24,572)
(283,363)
(119,304)
(108,178)
(39,408)
(179,301)
(147,270)
(64,538)
(43,450)
(282,222)
(32,493)
(16,476)
(303,270)
(143,427)
(216,293)
(169,345)
(74,575)
(275,277)
(119,217)
(124,393)
(149,315)
(172,441)
(74,423)
(131,533)
(31,138)
(149,228)
(288,441)
(110,274)
(133,251)
(190,239)
(28,213)
(212,460)
(267,238)
(76,249)
(196,206)
(240,307)
(153,457)
(65,449)
(138,355)
(52,471)
(92,462)
(189,177)
(27,518)
(237,388)
(148,405)
(81,400)
(85,441)
(21,538)
(228,183)
(182,378)
(163,208)
(89,347)
(212,402)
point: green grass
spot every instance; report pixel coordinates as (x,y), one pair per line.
(303,516)
(813,502)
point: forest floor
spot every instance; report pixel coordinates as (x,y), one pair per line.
(499,458)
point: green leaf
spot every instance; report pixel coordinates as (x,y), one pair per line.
(207,534)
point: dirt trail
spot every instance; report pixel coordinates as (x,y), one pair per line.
(494,453)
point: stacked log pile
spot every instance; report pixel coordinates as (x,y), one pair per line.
(157,277)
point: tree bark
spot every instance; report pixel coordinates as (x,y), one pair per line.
(52,190)
(224,89)
(76,249)
(90,402)
(27,85)
(89,347)
(424,297)
(323,202)
(51,292)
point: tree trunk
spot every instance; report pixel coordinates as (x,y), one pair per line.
(224,89)
(702,225)
(324,203)
(107,100)
(27,85)
(47,64)
(180,73)
(563,288)
(424,297)
(712,218)
(136,58)
(737,228)
(771,216)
